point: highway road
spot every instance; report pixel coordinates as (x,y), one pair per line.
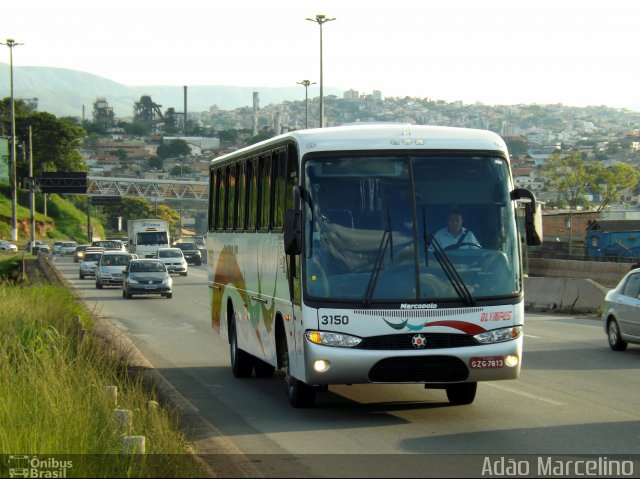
(574,396)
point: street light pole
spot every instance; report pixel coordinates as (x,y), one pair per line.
(321,20)
(306,84)
(14,184)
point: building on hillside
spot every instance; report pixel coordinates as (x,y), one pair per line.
(564,233)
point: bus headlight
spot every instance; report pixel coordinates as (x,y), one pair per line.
(321,365)
(499,335)
(339,340)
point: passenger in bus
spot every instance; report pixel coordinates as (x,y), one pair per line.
(454,235)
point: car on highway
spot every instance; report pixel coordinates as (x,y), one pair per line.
(89,263)
(38,246)
(115,245)
(191,252)
(57,246)
(173,258)
(68,248)
(621,312)
(110,267)
(78,254)
(146,276)
(7,246)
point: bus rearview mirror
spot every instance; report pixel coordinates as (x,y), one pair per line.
(292,232)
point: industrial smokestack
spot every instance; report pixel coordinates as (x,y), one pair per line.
(184,129)
(277,128)
(256,107)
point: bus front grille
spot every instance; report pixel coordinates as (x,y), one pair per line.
(438,369)
(394,342)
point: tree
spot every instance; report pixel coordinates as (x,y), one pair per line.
(155,162)
(55,143)
(129,209)
(179,148)
(571,177)
(614,181)
(517,147)
(180,170)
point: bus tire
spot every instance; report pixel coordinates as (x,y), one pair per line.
(241,362)
(300,394)
(461,394)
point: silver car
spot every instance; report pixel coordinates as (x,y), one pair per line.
(89,263)
(110,267)
(7,246)
(68,248)
(621,312)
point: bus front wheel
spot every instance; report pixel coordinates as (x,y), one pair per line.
(463,393)
(241,362)
(300,394)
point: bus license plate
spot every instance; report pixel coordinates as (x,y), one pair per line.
(487,362)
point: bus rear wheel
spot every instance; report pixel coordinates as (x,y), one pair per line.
(300,394)
(461,394)
(241,362)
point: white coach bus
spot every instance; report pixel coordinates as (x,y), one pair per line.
(326,261)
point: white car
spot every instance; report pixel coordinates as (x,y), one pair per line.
(57,246)
(37,246)
(7,246)
(174,260)
(68,248)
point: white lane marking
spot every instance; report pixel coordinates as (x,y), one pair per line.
(529,395)
(531,336)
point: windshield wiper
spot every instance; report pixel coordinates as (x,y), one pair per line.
(449,269)
(387,239)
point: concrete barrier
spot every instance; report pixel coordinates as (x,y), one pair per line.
(570,295)
(605,273)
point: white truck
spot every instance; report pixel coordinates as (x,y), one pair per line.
(146,236)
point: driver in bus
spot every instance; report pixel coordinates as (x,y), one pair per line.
(454,235)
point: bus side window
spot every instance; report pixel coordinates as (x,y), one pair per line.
(222,197)
(252,193)
(279,178)
(264,205)
(241,203)
(231,198)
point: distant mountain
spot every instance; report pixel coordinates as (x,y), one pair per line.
(64,92)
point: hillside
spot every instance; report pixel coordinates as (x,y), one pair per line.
(63,220)
(64,92)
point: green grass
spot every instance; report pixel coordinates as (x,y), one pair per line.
(53,398)
(65,220)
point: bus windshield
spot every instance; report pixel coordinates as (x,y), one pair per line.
(382,228)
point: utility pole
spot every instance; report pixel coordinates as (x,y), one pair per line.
(321,20)
(32,191)
(14,183)
(306,84)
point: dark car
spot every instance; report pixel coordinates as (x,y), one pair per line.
(146,276)
(621,312)
(191,252)
(78,254)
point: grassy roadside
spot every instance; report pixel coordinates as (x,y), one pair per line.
(54,396)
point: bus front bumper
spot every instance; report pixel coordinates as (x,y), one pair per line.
(335,365)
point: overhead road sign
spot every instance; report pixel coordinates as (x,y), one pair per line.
(106,200)
(63,182)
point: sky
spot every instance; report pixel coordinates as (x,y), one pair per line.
(575,52)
